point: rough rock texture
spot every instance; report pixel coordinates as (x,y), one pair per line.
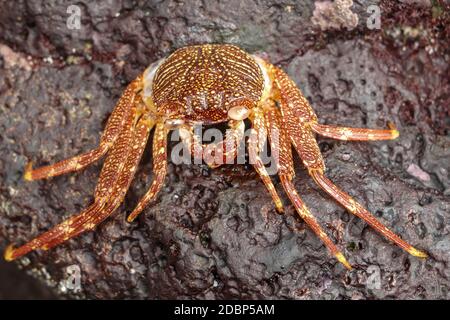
(215,234)
(334,15)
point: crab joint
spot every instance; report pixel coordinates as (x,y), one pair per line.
(238,113)
(340,257)
(395,133)
(417,253)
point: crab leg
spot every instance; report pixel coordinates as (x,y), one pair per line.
(58,232)
(279,141)
(304,142)
(354,134)
(215,154)
(159,169)
(121,185)
(358,210)
(255,145)
(111,189)
(286,173)
(112,130)
(304,213)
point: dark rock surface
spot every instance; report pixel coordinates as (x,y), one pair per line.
(15,284)
(215,233)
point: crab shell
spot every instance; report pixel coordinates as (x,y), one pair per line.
(206,83)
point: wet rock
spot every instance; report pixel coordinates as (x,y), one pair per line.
(215,234)
(334,15)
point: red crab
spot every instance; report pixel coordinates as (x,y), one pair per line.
(172,94)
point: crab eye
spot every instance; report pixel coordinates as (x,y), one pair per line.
(238,113)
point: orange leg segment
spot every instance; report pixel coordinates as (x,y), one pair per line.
(354,134)
(308,150)
(130,145)
(285,171)
(159,169)
(304,213)
(58,232)
(255,145)
(113,128)
(69,165)
(358,210)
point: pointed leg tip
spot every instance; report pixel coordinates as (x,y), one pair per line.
(279,208)
(418,253)
(395,134)
(28,170)
(130,218)
(9,253)
(343,260)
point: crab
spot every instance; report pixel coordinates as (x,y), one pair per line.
(209,84)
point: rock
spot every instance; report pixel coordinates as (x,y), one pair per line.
(214,233)
(334,15)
